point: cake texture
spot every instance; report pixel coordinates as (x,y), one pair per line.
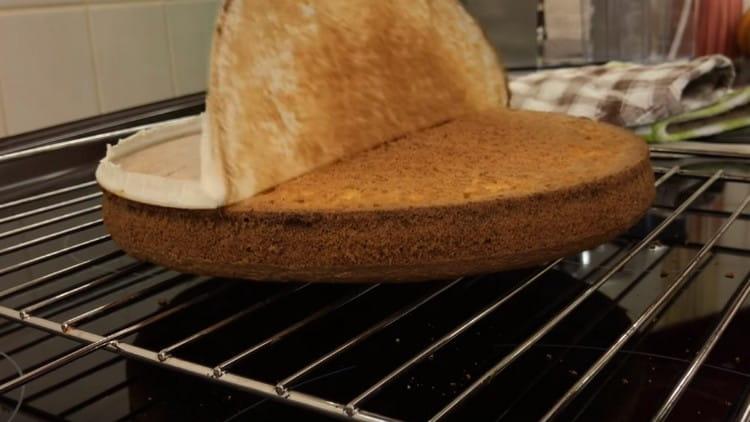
(297,84)
(486,192)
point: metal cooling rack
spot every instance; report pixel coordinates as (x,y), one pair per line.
(89,300)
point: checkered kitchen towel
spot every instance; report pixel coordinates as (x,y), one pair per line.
(626,94)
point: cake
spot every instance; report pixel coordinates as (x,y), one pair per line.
(489,191)
(365,141)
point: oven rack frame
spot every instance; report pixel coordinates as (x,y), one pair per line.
(221,372)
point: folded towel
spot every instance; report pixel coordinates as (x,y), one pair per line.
(731,112)
(626,94)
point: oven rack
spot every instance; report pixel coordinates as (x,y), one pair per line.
(113,340)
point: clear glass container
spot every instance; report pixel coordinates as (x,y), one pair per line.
(638,30)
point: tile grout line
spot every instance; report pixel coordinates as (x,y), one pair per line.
(36,7)
(71,3)
(5,131)
(97,83)
(170,47)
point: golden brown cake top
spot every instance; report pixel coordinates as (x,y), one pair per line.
(298,84)
(498,154)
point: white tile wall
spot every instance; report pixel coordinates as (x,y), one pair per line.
(47,73)
(190,40)
(62,60)
(564,19)
(131,52)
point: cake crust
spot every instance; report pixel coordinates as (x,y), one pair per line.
(407,212)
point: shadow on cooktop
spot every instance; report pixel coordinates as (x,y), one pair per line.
(160,394)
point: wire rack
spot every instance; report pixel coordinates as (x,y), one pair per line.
(72,282)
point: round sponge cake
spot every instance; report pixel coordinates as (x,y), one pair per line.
(486,192)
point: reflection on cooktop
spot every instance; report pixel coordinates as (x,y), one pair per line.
(632,387)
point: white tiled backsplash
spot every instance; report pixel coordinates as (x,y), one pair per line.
(62,60)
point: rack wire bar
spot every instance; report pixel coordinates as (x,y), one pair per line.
(220,369)
(51,207)
(352,406)
(281,386)
(745,415)
(704,175)
(166,352)
(702,355)
(68,306)
(675,149)
(666,174)
(647,317)
(39,281)
(44,195)
(109,339)
(68,380)
(51,236)
(583,332)
(726,318)
(94,296)
(242,383)
(85,140)
(43,303)
(705,212)
(133,297)
(54,254)
(49,221)
(552,323)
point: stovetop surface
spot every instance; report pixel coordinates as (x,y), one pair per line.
(106,386)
